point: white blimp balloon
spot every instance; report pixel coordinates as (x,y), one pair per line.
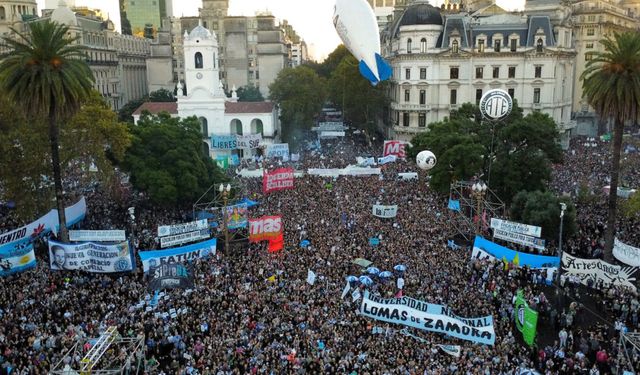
(426,160)
(356,25)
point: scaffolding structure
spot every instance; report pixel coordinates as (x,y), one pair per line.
(105,357)
(628,353)
(213,203)
(473,207)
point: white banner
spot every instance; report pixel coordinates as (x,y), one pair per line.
(453,350)
(348,171)
(276,150)
(518,238)
(248,141)
(510,226)
(182,238)
(170,230)
(598,271)
(91,257)
(115,235)
(331,134)
(626,253)
(385,211)
(408,176)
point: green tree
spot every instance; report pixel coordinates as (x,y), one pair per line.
(162,95)
(46,74)
(611,85)
(167,161)
(543,209)
(300,93)
(512,155)
(249,93)
(92,137)
(361,102)
(632,205)
(332,61)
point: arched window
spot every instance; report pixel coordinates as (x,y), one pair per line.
(214,59)
(204,125)
(423,45)
(539,45)
(198,60)
(454,46)
(3,14)
(239,128)
(409,45)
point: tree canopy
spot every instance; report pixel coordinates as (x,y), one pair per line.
(91,138)
(249,93)
(521,148)
(166,160)
(300,93)
(543,209)
(361,102)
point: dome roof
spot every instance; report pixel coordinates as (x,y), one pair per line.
(420,13)
(200,32)
(63,15)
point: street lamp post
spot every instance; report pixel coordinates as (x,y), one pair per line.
(479,190)
(225,197)
(563,207)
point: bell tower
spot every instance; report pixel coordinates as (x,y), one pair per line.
(201,61)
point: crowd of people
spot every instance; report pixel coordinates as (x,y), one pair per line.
(253,312)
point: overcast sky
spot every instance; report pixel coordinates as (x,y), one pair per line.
(310,18)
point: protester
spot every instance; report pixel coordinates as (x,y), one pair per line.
(252,312)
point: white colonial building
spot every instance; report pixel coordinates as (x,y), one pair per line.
(203,96)
(441,61)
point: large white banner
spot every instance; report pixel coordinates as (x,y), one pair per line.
(522,239)
(181,254)
(116,235)
(626,253)
(248,141)
(385,211)
(91,257)
(598,271)
(182,238)
(429,317)
(348,171)
(510,226)
(170,230)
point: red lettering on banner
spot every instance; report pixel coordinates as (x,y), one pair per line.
(264,228)
(279,179)
(394,148)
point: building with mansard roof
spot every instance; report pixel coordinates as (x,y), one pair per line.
(444,58)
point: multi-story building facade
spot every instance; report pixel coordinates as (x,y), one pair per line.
(594,20)
(118,62)
(140,13)
(14,12)
(441,62)
(383,9)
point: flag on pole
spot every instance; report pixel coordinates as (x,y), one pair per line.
(526,319)
(276,244)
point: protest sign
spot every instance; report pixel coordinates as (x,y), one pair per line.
(526,319)
(153,258)
(264,228)
(595,272)
(169,230)
(170,276)
(510,226)
(179,239)
(519,238)
(483,248)
(91,257)
(626,254)
(236,216)
(385,211)
(279,179)
(97,235)
(278,150)
(395,148)
(429,317)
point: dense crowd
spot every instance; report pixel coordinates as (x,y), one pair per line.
(252,312)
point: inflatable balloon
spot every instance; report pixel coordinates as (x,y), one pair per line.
(356,25)
(426,160)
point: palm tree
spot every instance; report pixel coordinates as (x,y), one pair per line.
(46,75)
(612,87)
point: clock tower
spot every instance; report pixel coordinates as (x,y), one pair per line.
(203,95)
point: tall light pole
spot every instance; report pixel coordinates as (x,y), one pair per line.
(479,189)
(225,198)
(563,207)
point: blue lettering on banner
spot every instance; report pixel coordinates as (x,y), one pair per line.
(181,254)
(429,317)
(224,142)
(483,247)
